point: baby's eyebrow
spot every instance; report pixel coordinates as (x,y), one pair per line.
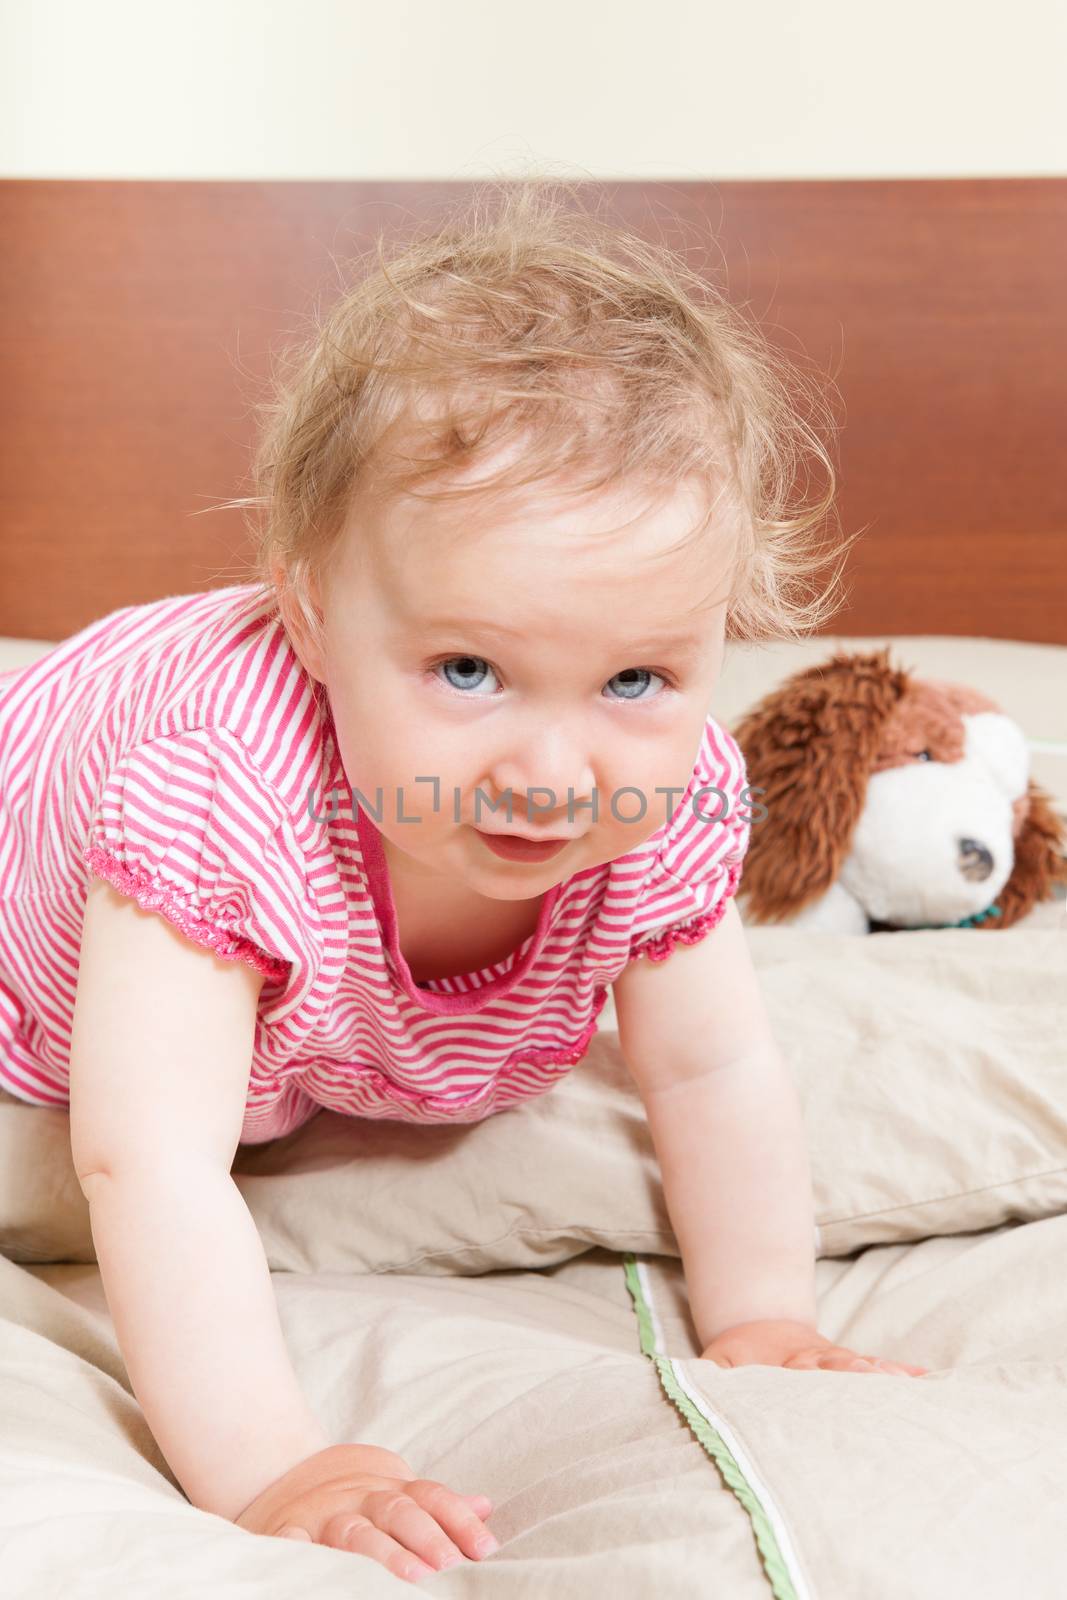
(470,625)
(504,630)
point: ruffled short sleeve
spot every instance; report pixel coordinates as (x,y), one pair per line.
(185,825)
(698,865)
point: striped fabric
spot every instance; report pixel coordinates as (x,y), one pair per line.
(180,751)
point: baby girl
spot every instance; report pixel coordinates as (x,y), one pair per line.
(378,831)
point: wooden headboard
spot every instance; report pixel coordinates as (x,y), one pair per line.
(139,318)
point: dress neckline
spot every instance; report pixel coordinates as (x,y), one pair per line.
(480,987)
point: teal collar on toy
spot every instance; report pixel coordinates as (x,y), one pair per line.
(922,927)
(968,922)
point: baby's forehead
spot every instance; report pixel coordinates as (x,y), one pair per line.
(635,520)
(534,561)
(633,551)
(520,615)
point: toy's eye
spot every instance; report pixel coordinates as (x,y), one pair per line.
(924,755)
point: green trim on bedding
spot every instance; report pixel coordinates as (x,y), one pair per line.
(714,1444)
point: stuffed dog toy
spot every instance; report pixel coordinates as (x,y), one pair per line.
(891,802)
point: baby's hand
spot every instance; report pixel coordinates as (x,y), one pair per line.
(793,1344)
(363,1498)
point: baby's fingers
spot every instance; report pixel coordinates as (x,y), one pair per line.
(849,1361)
(455,1515)
(902,1369)
(424,1520)
(348,1530)
(846,1361)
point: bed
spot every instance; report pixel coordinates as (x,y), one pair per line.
(519,1325)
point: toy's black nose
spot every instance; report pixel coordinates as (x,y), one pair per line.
(976,862)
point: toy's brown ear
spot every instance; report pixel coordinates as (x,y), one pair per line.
(1040,862)
(810,747)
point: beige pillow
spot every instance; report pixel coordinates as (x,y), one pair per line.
(932,1068)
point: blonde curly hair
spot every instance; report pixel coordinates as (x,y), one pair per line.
(526,315)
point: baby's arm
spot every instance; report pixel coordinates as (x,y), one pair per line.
(161,1053)
(160,1058)
(728,1130)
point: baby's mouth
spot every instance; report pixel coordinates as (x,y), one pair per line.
(514,847)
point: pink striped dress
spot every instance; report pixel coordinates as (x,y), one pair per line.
(180,751)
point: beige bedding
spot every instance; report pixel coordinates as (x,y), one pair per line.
(504,1306)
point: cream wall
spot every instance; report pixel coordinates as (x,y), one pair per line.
(597,88)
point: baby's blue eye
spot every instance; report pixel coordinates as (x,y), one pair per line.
(468,676)
(639,673)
